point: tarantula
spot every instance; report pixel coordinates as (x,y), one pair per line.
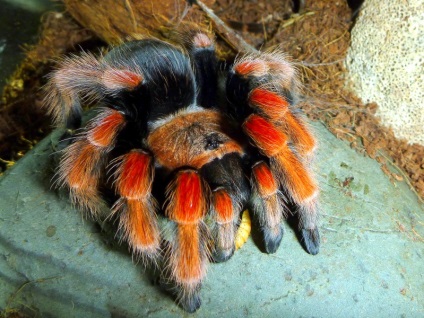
(171,141)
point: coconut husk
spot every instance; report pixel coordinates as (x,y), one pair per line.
(118,21)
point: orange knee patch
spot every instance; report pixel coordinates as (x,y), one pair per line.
(186,198)
(264,134)
(201,40)
(223,206)
(264,179)
(252,68)
(134,175)
(105,128)
(270,103)
(115,79)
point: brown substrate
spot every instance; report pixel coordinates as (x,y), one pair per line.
(317,36)
(22,120)
(321,48)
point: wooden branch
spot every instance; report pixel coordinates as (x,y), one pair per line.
(228,34)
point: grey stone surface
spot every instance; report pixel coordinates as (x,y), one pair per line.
(371,263)
(386,63)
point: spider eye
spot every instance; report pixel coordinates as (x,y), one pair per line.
(213,141)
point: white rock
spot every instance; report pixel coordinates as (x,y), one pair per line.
(386,63)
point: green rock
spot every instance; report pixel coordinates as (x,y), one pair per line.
(56,264)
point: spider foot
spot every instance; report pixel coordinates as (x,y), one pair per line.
(311,240)
(222,255)
(272,239)
(190,302)
(187,296)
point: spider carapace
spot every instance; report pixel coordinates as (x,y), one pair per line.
(171,141)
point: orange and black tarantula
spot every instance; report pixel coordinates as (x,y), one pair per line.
(171,141)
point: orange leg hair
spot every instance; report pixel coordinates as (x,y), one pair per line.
(294,177)
(269,103)
(83,161)
(303,140)
(188,255)
(85,77)
(136,207)
(276,108)
(280,134)
(226,224)
(79,170)
(267,205)
(103,129)
(273,143)
(251,67)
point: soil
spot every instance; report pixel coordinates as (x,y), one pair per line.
(22,119)
(315,34)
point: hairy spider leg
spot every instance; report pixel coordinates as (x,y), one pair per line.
(83,161)
(225,176)
(205,64)
(168,80)
(294,177)
(226,222)
(109,79)
(267,204)
(187,201)
(136,206)
(84,78)
(196,138)
(261,94)
(275,107)
(230,194)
